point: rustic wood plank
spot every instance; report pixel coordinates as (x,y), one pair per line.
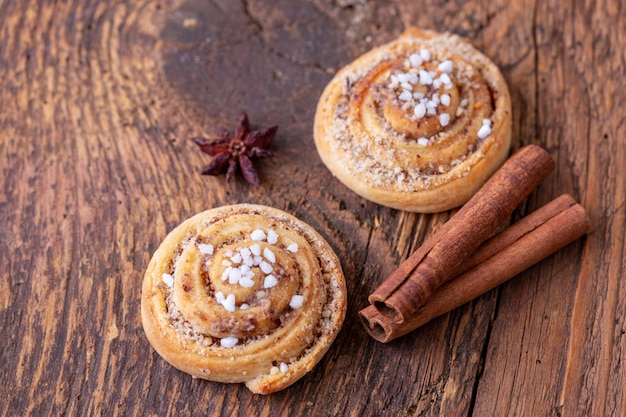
(569,310)
(595,376)
(99,100)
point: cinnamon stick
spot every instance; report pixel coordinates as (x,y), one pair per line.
(436,261)
(507,254)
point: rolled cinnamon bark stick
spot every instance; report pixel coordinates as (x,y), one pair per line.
(507,254)
(437,260)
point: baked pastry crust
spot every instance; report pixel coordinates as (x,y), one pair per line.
(384,128)
(243,293)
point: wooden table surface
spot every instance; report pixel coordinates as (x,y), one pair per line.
(98,101)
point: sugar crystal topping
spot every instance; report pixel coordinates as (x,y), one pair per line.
(270,281)
(269,255)
(258,235)
(428,104)
(255,249)
(206,249)
(416,75)
(296,301)
(229,342)
(272,237)
(240,261)
(266,267)
(168,280)
(485,129)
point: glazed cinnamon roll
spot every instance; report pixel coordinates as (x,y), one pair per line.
(243,293)
(418,124)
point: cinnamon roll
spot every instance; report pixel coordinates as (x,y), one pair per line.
(243,293)
(418,124)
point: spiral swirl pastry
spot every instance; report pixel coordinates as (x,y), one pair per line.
(243,293)
(418,124)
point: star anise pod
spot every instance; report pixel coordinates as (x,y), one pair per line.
(233,152)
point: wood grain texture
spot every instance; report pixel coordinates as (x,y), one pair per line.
(98,101)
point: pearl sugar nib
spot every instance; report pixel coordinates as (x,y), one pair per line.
(425,104)
(232,153)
